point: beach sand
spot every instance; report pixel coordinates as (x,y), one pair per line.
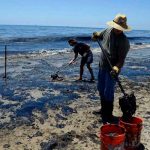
(38,113)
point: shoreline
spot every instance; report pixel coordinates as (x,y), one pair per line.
(37,113)
(53,51)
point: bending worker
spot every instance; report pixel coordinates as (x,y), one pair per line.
(87,56)
(116,45)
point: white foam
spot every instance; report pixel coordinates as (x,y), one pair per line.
(138,67)
(49,52)
(96,50)
(142,46)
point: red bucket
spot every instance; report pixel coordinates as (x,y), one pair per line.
(112,137)
(133,132)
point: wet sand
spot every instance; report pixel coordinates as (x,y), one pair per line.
(37,113)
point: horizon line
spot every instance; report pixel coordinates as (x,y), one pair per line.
(60,26)
(50,25)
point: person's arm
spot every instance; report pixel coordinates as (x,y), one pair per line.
(75,56)
(98,35)
(123,50)
(73,60)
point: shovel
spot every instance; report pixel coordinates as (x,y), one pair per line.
(55,75)
(128,101)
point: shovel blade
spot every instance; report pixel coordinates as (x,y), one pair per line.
(128,106)
(54,76)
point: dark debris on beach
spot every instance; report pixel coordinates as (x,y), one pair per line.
(28,76)
(20,105)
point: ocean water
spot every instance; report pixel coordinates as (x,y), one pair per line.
(28,39)
(38,39)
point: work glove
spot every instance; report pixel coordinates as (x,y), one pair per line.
(114,72)
(71,62)
(95,36)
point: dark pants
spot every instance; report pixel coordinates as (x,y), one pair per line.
(106,88)
(88,59)
(106,85)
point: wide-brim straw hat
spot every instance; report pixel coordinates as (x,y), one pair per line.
(119,23)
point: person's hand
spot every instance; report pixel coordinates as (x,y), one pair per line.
(114,72)
(71,62)
(95,36)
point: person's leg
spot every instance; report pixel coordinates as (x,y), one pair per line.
(106,88)
(81,71)
(83,61)
(109,97)
(109,87)
(101,82)
(91,71)
(101,87)
(89,60)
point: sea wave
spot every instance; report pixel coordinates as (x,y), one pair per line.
(42,39)
(65,50)
(58,39)
(132,47)
(139,46)
(45,52)
(139,38)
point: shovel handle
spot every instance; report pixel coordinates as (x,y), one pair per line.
(120,86)
(65,66)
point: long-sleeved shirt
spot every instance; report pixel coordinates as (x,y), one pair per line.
(116,46)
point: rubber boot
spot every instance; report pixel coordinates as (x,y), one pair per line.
(109,113)
(97,112)
(104,112)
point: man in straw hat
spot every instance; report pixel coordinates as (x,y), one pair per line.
(116,46)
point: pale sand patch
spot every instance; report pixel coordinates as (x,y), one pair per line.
(36,93)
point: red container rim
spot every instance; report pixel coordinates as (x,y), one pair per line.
(114,139)
(122,130)
(136,121)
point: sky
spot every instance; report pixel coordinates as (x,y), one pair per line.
(78,13)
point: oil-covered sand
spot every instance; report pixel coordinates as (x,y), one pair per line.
(38,113)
